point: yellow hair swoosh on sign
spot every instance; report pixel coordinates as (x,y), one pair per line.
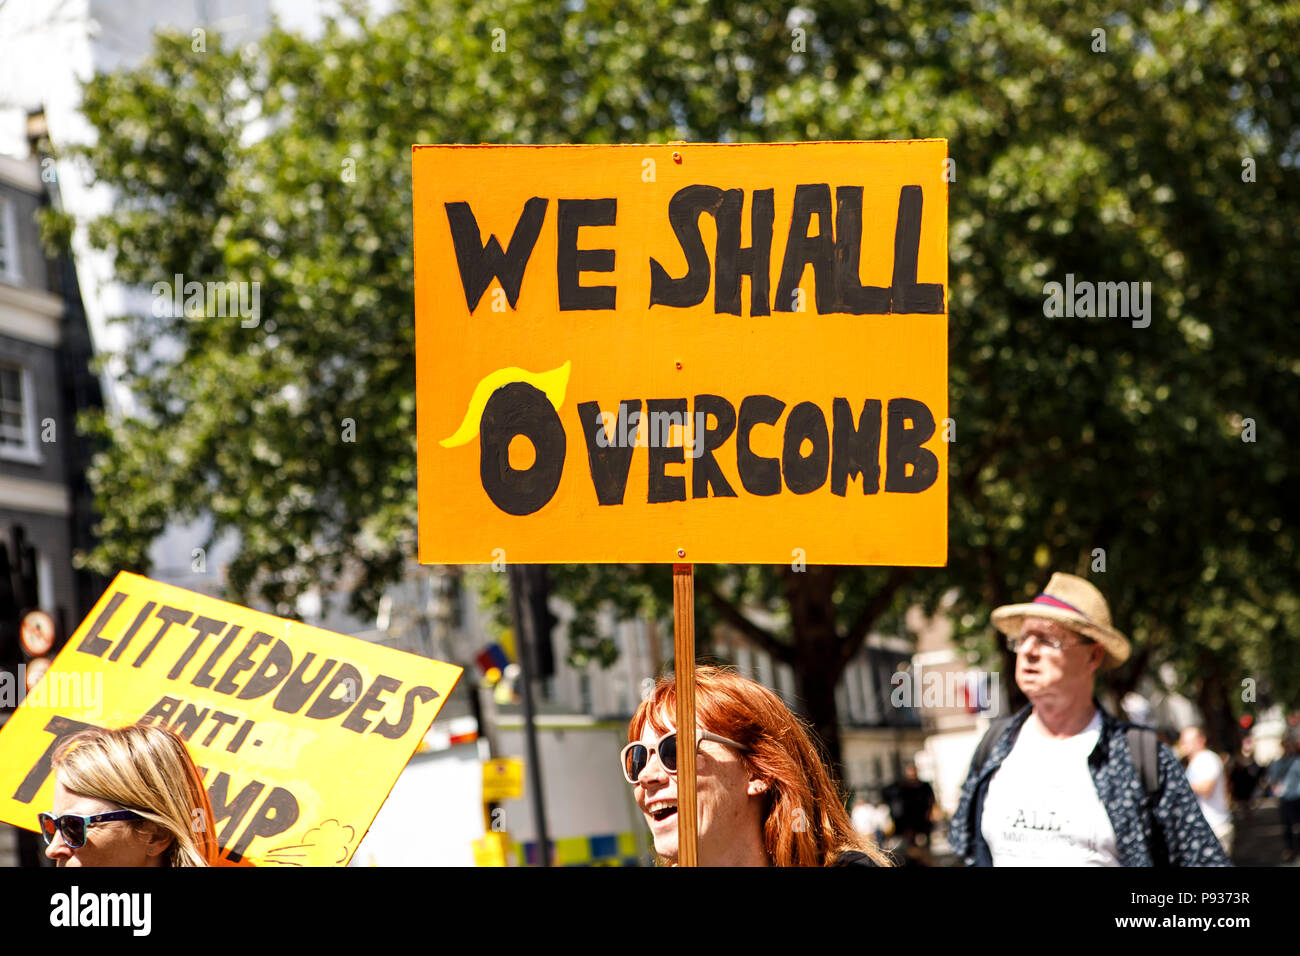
(552,384)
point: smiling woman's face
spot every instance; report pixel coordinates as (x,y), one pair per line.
(111,843)
(728,799)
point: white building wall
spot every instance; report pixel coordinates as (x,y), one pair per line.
(584,792)
(433,814)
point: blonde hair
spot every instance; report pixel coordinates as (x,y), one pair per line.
(145,768)
(804,821)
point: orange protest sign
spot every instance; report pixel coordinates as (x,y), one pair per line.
(299,732)
(701,353)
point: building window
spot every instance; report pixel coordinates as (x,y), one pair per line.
(622,695)
(870,693)
(586,705)
(45,583)
(785,680)
(17,414)
(743,662)
(8,243)
(852,684)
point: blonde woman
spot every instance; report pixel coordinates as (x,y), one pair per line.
(128,797)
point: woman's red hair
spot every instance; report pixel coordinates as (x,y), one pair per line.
(804,821)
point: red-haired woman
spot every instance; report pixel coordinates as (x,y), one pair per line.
(764,795)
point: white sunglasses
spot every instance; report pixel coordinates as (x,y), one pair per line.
(636,755)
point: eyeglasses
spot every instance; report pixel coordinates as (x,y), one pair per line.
(1015,644)
(73,826)
(636,756)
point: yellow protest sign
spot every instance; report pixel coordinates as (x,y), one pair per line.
(685,353)
(299,732)
(503,779)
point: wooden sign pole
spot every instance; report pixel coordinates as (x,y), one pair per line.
(684,665)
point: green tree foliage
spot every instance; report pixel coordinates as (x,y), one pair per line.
(1114,141)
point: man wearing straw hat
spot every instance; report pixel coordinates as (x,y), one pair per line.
(1062,782)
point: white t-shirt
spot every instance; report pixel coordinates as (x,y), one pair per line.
(1042,807)
(1206,765)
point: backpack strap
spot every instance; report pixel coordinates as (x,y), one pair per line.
(990,740)
(1144,745)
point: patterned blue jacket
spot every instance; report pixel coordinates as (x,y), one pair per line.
(1172,832)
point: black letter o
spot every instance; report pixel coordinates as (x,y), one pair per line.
(520,409)
(803,475)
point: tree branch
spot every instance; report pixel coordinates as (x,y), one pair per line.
(733,616)
(857,633)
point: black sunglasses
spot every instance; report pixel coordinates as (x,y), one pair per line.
(73,826)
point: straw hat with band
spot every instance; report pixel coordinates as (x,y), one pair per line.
(1075,603)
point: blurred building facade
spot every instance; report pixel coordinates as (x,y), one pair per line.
(46,381)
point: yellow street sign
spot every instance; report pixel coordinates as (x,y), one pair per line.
(503,779)
(491,850)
